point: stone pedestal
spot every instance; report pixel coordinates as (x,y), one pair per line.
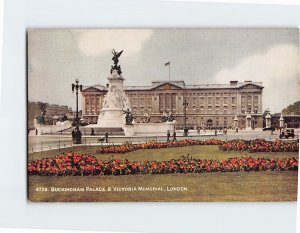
(128,130)
(281,121)
(114,103)
(236,122)
(149,129)
(248,122)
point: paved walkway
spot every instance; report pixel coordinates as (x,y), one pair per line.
(49,142)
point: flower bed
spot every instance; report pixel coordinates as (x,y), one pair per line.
(260,145)
(125,148)
(86,165)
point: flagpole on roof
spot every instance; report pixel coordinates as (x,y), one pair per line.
(169,70)
(169,64)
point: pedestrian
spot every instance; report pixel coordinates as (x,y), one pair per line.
(92,132)
(236,129)
(186,131)
(225,131)
(198,130)
(106,136)
(168,135)
(215,131)
(73,135)
(36,132)
(174,136)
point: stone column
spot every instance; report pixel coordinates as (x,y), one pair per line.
(281,121)
(259,110)
(83,104)
(238,103)
(268,120)
(252,107)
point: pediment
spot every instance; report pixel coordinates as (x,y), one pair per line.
(251,86)
(91,89)
(166,86)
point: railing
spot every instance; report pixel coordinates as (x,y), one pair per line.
(64,142)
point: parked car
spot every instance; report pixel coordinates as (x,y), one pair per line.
(287,133)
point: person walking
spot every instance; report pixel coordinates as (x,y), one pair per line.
(168,135)
(106,136)
(92,132)
(174,136)
(73,135)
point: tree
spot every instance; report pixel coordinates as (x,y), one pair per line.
(292,109)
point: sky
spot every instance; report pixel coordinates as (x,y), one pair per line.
(56,57)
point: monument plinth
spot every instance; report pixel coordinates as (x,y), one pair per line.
(114,103)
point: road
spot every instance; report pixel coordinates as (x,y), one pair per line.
(48,142)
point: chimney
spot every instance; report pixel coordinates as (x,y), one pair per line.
(233,83)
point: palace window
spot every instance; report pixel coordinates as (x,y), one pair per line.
(149,101)
(194,100)
(243,109)
(255,100)
(243,99)
(249,108)
(209,100)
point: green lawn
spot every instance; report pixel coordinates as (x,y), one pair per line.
(203,151)
(241,186)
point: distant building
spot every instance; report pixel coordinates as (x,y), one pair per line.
(55,109)
(54,112)
(209,105)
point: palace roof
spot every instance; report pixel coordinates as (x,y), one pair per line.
(180,84)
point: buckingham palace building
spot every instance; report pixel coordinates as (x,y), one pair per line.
(208,105)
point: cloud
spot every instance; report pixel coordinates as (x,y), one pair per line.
(100,41)
(277,68)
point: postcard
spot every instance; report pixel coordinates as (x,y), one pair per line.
(163,115)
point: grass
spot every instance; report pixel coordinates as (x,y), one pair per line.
(202,151)
(241,186)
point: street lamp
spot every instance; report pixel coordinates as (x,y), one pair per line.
(76,134)
(185,105)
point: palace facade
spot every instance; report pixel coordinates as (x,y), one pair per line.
(209,105)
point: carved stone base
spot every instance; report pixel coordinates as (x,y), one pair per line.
(111,118)
(128,130)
